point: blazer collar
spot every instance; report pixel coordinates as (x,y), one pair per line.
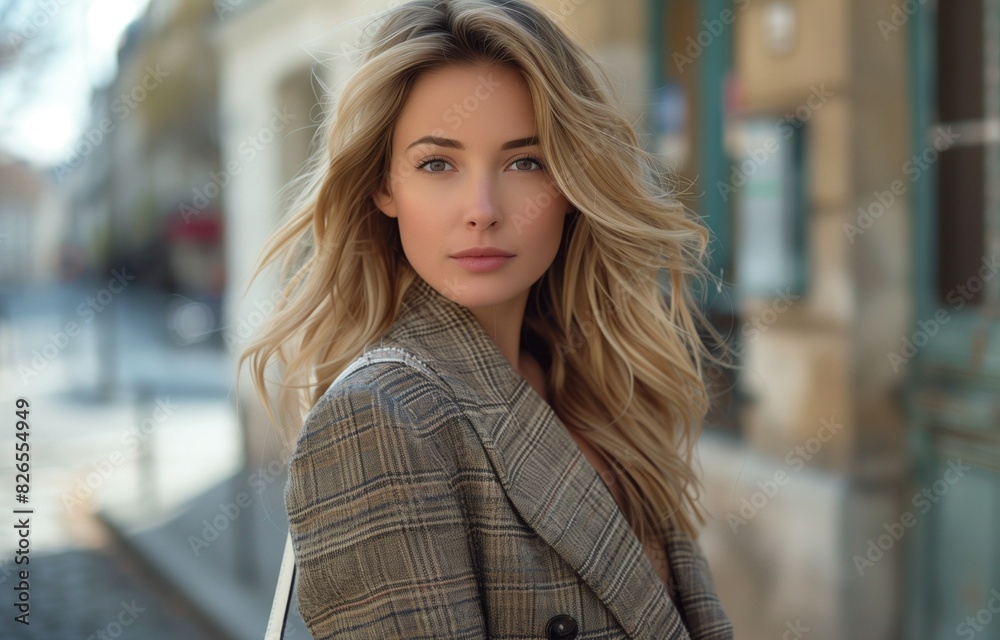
(543,471)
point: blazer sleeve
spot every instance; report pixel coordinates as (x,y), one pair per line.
(381,549)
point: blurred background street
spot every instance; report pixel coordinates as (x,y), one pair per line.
(844,154)
(128,430)
(84,405)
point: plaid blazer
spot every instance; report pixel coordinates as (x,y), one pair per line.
(432,493)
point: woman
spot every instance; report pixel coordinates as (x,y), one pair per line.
(500,396)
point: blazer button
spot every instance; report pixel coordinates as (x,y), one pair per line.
(561,627)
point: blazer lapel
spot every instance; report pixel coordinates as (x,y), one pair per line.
(543,471)
(561,496)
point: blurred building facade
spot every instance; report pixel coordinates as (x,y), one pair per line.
(29,224)
(139,180)
(850,182)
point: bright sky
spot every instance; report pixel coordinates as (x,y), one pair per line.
(48,122)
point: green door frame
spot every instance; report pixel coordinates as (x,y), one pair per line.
(715,59)
(921,54)
(944,364)
(921,45)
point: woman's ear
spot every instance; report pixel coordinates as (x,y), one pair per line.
(384,200)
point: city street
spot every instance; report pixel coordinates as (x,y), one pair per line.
(121,418)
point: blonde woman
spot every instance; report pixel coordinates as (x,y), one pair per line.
(498,395)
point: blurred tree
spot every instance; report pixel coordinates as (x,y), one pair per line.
(29,45)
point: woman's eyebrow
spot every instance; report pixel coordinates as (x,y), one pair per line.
(455,144)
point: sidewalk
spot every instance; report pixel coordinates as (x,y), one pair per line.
(141,438)
(81,593)
(222,550)
(81,584)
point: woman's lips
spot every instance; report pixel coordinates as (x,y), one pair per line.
(481,264)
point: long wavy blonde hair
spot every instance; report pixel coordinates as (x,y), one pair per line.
(618,330)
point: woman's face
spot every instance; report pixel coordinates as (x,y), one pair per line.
(466,174)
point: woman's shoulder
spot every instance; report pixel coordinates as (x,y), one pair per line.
(391,411)
(395,359)
(386,369)
(386,385)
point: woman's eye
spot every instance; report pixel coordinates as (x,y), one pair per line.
(439,165)
(436,165)
(524,164)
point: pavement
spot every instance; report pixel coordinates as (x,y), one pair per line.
(97,591)
(136,456)
(223,551)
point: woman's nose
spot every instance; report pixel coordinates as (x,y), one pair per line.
(482,206)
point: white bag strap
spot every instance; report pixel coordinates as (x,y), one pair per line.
(278,620)
(282,594)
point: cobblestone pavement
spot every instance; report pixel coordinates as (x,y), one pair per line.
(95,593)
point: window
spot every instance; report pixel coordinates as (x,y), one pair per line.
(966,145)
